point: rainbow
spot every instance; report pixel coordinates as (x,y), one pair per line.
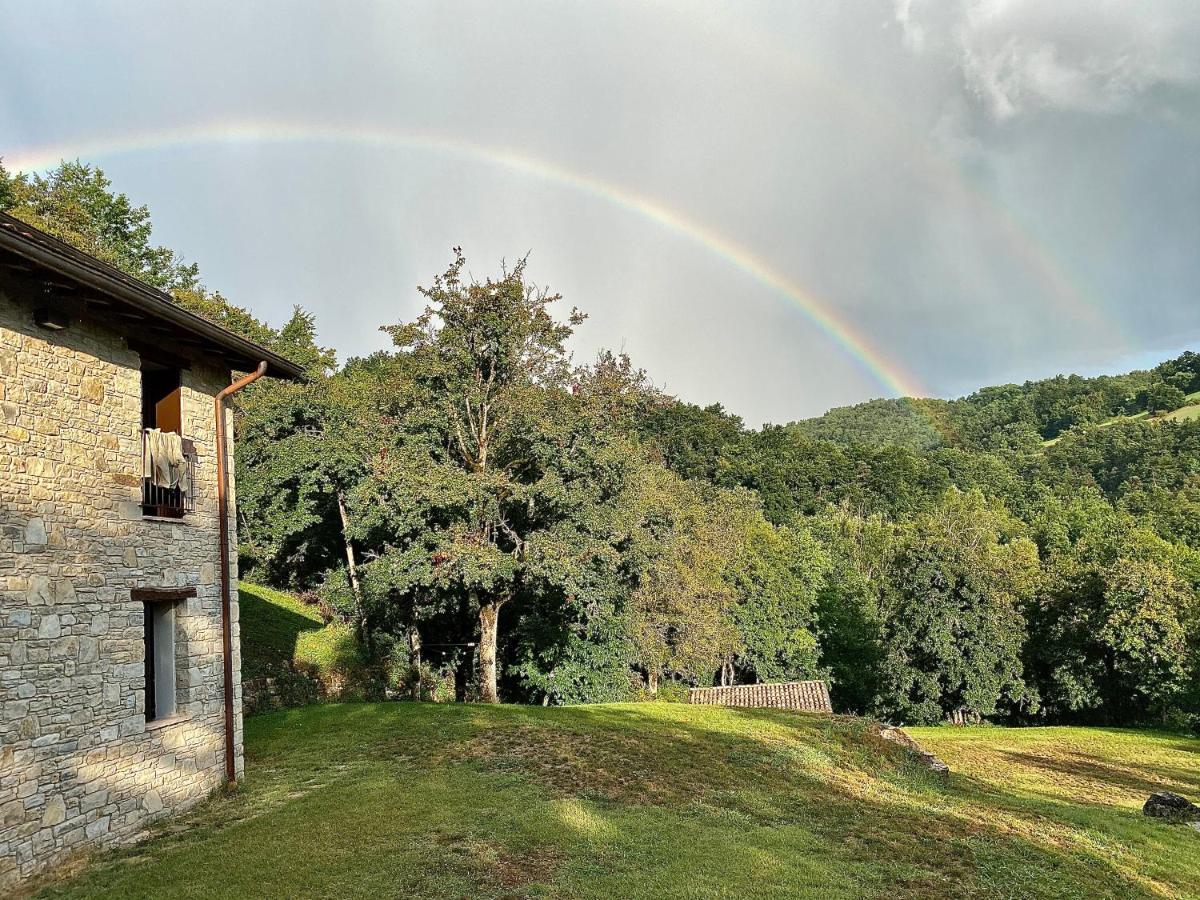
(891,377)
(760,47)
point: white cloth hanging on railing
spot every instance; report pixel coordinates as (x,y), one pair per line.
(164,462)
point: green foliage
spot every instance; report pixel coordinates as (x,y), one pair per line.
(776,575)
(848,605)
(1114,626)
(75,203)
(905,422)
(1163,398)
(951,613)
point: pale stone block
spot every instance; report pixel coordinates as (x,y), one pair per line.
(64,647)
(92,390)
(56,811)
(98,828)
(12,813)
(40,592)
(35,532)
(64,591)
(50,626)
(89,649)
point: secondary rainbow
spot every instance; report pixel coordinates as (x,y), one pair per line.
(819,312)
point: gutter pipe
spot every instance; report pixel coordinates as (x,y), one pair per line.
(226,587)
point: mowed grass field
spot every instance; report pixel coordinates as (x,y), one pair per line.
(662,800)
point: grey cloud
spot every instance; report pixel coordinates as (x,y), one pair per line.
(1095,56)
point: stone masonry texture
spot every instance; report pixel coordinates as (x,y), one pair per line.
(80,767)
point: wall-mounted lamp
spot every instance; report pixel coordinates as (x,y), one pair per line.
(51,319)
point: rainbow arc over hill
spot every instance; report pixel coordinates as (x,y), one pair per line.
(819,312)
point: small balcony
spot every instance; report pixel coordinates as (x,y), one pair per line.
(168,474)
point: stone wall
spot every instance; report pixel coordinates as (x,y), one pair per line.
(79,765)
(288,688)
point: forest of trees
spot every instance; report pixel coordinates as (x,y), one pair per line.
(566,533)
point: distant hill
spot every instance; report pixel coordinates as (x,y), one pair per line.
(1016,415)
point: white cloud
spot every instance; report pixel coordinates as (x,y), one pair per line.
(914,32)
(1088,56)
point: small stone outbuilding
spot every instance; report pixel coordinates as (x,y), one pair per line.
(809,696)
(114,703)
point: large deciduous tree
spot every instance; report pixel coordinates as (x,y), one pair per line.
(951,619)
(491,360)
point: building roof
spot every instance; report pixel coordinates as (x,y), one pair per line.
(79,282)
(812,696)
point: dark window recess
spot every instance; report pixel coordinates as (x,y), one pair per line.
(160,397)
(162,408)
(159,637)
(148,637)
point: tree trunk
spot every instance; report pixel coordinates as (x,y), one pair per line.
(352,569)
(489,620)
(652,682)
(414,661)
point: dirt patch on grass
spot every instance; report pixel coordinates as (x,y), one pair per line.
(492,863)
(518,870)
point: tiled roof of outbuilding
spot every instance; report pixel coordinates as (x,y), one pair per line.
(812,696)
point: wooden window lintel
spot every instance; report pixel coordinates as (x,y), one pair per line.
(161,595)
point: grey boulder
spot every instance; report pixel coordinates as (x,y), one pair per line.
(1173,807)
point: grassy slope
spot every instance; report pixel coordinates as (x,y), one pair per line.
(659,800)
(277,628)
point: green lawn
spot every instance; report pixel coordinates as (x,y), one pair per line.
(663,800)
(1184,414)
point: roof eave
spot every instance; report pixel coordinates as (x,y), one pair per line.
(39,248)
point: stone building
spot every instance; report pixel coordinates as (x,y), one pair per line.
(117,627)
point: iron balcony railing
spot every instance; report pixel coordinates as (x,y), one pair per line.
(173,502)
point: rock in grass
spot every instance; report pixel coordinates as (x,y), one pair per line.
(1173,807)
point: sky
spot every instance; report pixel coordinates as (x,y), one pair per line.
(779,207)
